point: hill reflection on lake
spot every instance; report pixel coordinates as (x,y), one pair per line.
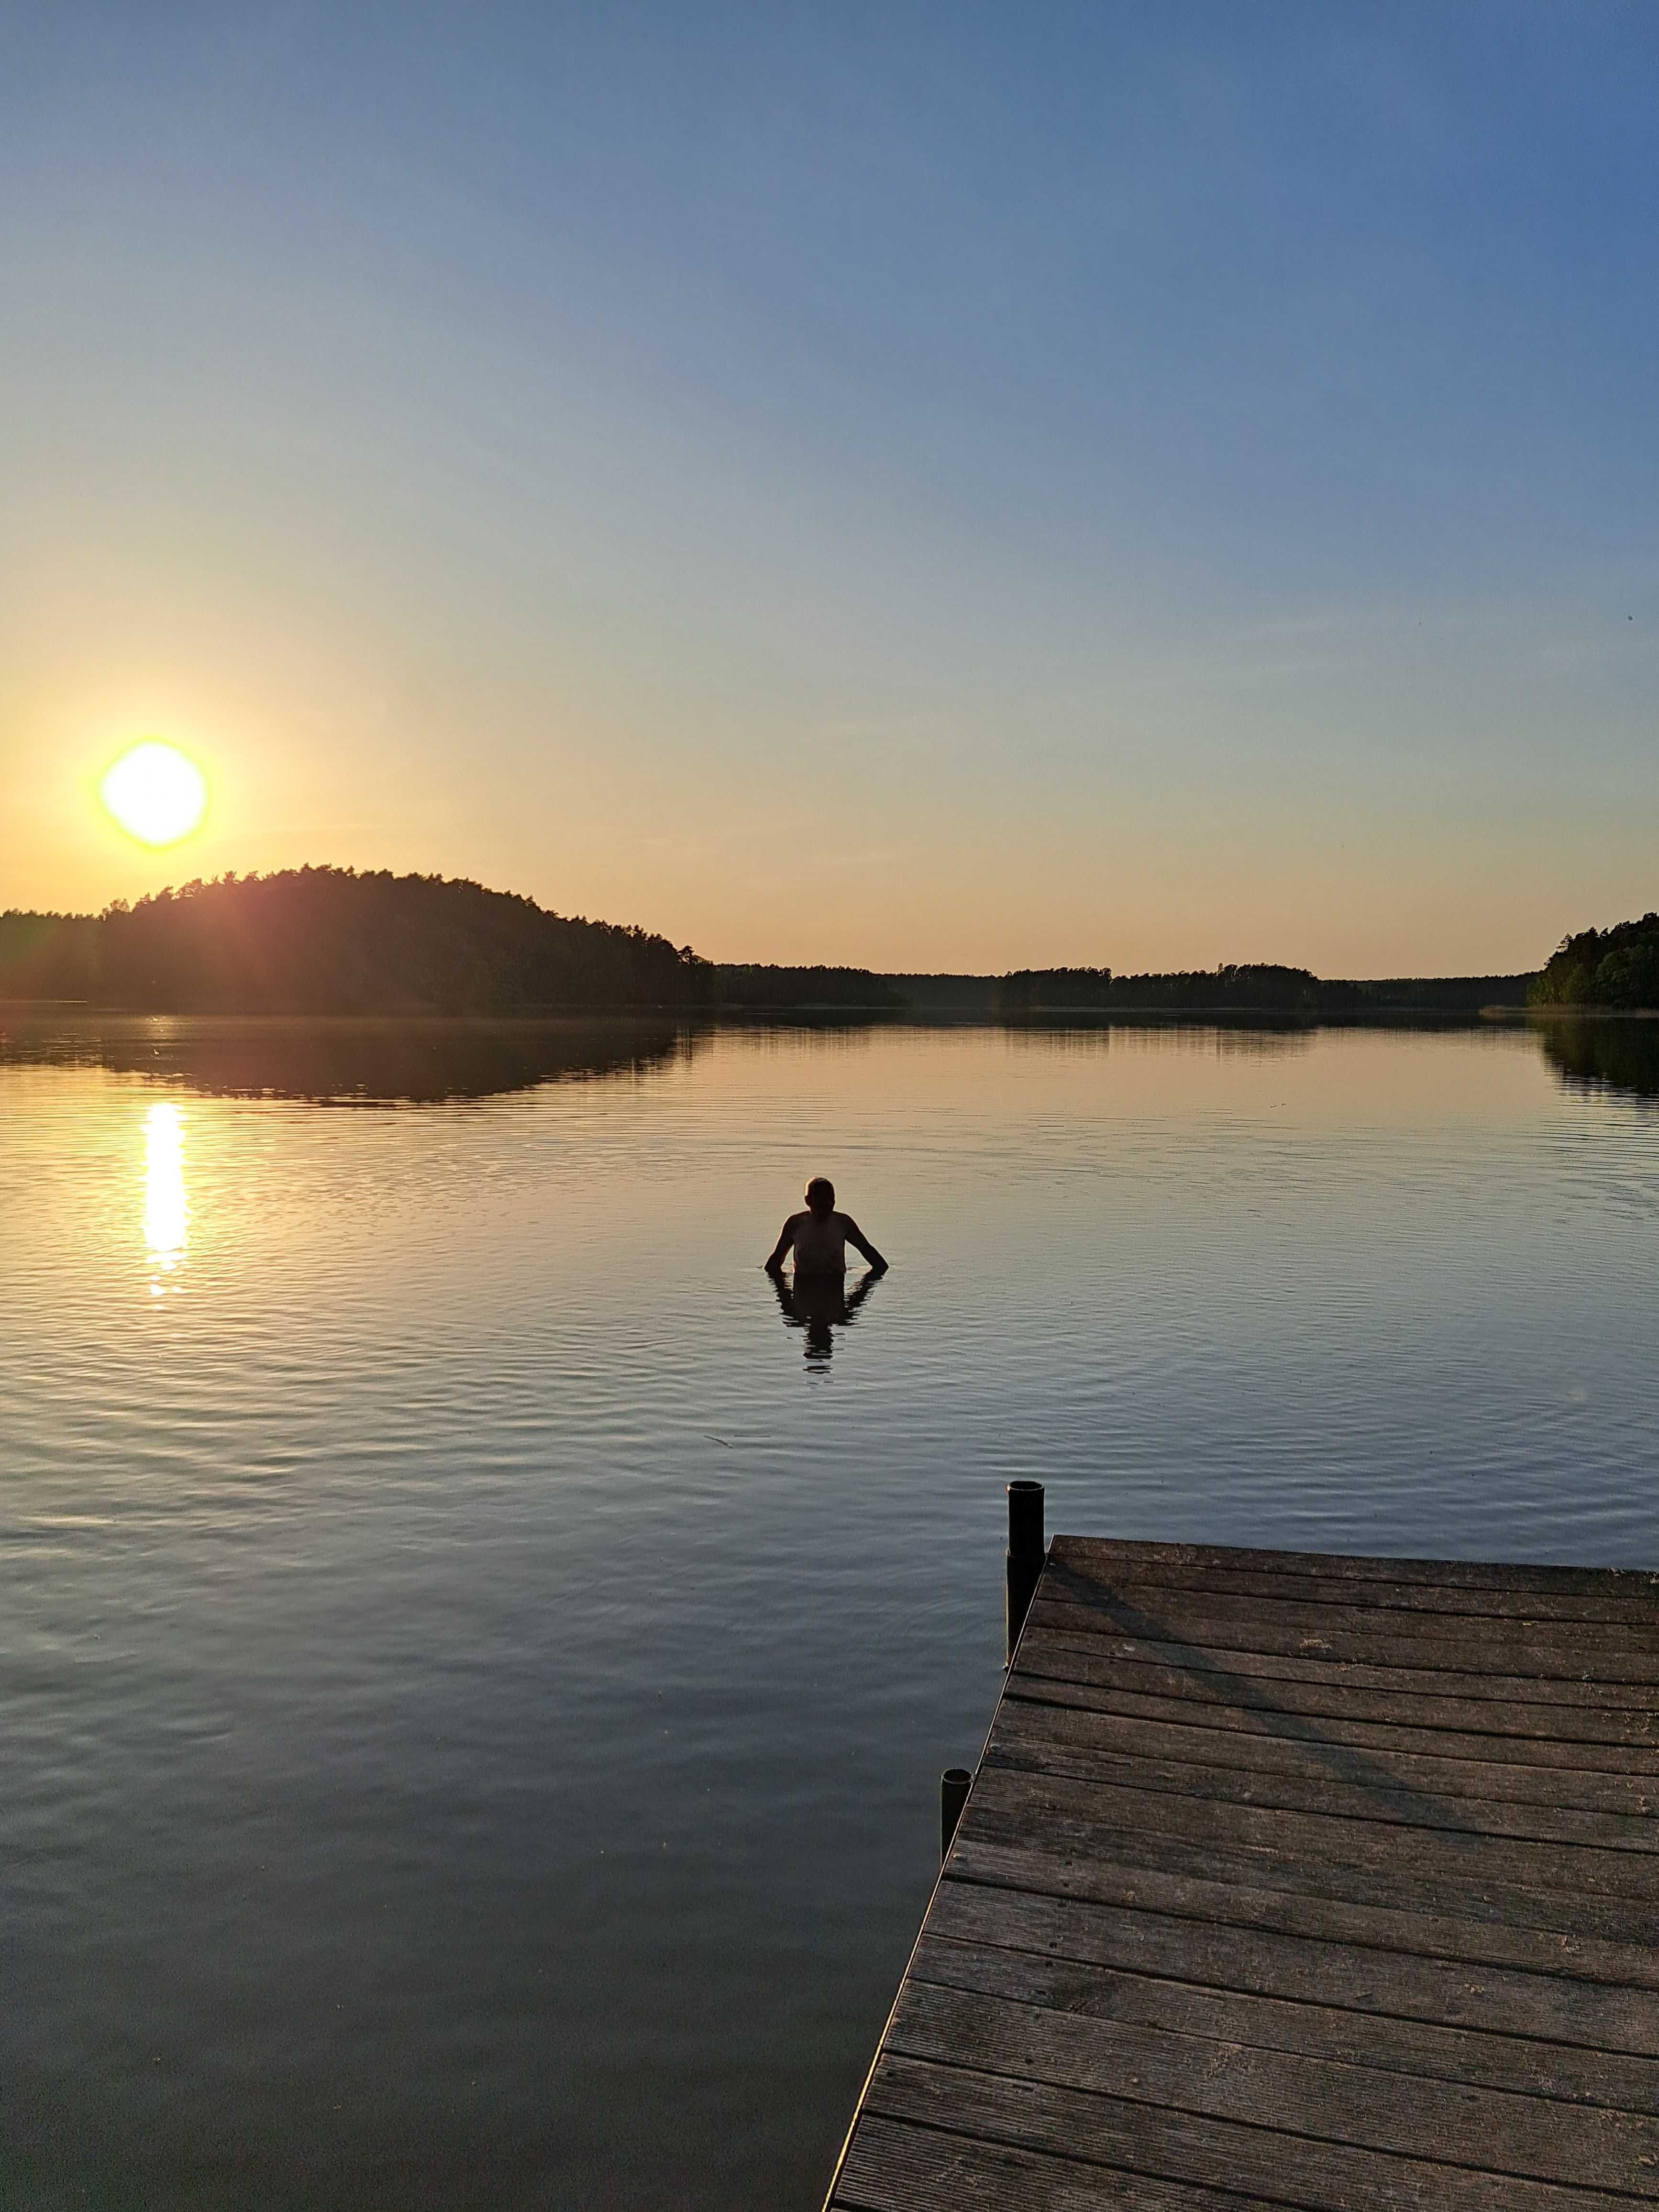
(1605,1055)
(427,1061)
(344,1061)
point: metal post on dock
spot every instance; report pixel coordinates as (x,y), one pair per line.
(953,1787)
(1025,1549)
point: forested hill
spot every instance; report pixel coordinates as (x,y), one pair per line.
(1258,988)
(1246,987)
(1614,967)
(329,940)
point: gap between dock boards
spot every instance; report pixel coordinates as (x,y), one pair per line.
(1292,1880)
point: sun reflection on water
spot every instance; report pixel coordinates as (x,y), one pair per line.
(167,1203)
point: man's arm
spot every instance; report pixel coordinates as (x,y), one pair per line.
(856,1238)
(780,1251)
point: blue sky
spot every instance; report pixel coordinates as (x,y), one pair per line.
(936,486)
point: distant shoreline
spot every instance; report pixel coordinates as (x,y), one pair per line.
(931,1016)
(324,939)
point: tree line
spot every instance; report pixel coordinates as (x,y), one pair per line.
(333,940)
(330,940)
(1259,987)
(752,989)
(1616,968)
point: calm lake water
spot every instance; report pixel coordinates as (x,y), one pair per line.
(476,1673)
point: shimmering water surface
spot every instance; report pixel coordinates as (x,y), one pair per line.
(477,1670)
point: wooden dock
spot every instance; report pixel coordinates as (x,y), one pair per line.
(1297,1881)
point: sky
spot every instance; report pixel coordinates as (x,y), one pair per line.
(928,486)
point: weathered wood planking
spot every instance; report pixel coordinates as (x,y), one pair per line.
(1296,1881)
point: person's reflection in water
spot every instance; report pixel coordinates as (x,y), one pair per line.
(820,1304)
(815,1298)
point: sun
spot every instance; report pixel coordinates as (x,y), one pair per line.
(155,792)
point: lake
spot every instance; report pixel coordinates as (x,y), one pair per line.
(476,1668)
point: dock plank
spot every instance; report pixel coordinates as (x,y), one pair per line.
(1609,1598)
(1292,1880)
(898,2166)
(1170,2146)
(1553,1708)
(1528,1651)
(1115,1557)
(1449,1837)
(1335,2101)
(1316,1752)
(1578,2037)
(1375,1720)
(1328,2032)
(1494,1926)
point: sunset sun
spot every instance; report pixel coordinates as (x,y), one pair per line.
(155,792)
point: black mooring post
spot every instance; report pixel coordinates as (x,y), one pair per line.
(1024,1557)
(953,1787)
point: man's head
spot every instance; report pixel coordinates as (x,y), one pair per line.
(821,1195)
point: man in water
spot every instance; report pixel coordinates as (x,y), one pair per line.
(819,1237)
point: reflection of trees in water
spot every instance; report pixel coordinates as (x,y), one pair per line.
(1243,1036)
(347,1062)
(1150,1033)
(1605,1055)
